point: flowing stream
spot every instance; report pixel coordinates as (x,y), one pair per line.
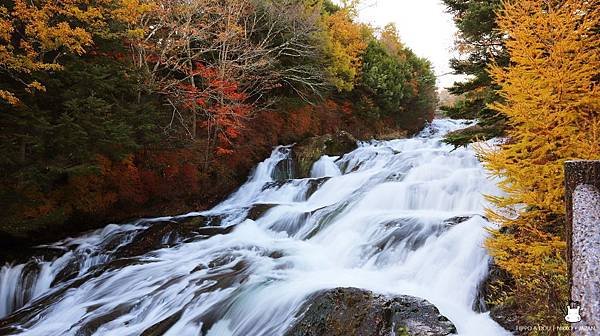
(393,217)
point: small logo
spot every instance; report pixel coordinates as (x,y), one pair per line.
(573,312)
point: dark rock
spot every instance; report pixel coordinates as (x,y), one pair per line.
(490,291)
(68,272)
(408,231)
(162,234)
(306,153)
(192,222)
(210,231)
(259,209)
(276,254)
(456,220)
(273,185)
(148,240)
(163,326)
(477,132)
(507,317)
(314,185)
(352,311)
(284,169)
(90,325)
(22,254)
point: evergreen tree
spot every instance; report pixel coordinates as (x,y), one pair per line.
(480,44)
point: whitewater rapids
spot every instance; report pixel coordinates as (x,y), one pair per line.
(375,218)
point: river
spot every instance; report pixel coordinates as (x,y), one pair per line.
(382,218)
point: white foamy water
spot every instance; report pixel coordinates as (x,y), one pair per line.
(376,218)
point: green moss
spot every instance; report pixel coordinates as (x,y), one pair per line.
(402,331)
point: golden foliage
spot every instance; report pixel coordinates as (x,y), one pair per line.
(551,98)
(346,41)
(35,34)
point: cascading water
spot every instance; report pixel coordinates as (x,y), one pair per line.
(382,218)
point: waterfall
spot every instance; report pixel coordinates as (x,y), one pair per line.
(325,166)
(394,217)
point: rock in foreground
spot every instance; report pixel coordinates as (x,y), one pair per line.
(357,312)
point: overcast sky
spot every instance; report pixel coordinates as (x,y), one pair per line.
(424,26)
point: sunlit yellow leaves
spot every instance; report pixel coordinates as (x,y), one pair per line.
(35,34)
(346,41)
(131,12)
(391,41)
(8,97)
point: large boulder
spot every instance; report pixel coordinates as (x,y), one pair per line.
(357,312)
(306,153)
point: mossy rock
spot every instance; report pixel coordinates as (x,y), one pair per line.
(463,137)
(306,153)
(353,311)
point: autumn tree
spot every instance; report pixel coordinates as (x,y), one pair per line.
(214,61)
(551,100)
(345,42)
(35,35)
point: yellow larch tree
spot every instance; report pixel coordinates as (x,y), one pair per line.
(551,98)
(346,41)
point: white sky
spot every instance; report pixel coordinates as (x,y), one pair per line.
(424,26)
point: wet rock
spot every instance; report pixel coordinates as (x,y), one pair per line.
(314,185)
(306,153)
(477,132)
(273,185)
(328,218)
(210,231)
(68,272)
(163,326)
(148,240)
(408,231)
(352,311)
(506,317)
(90,325)
(12,322)
(284,170)
(276,254)
(166,233)
(259,209)
(456,220)
(192,222)
(22,254)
